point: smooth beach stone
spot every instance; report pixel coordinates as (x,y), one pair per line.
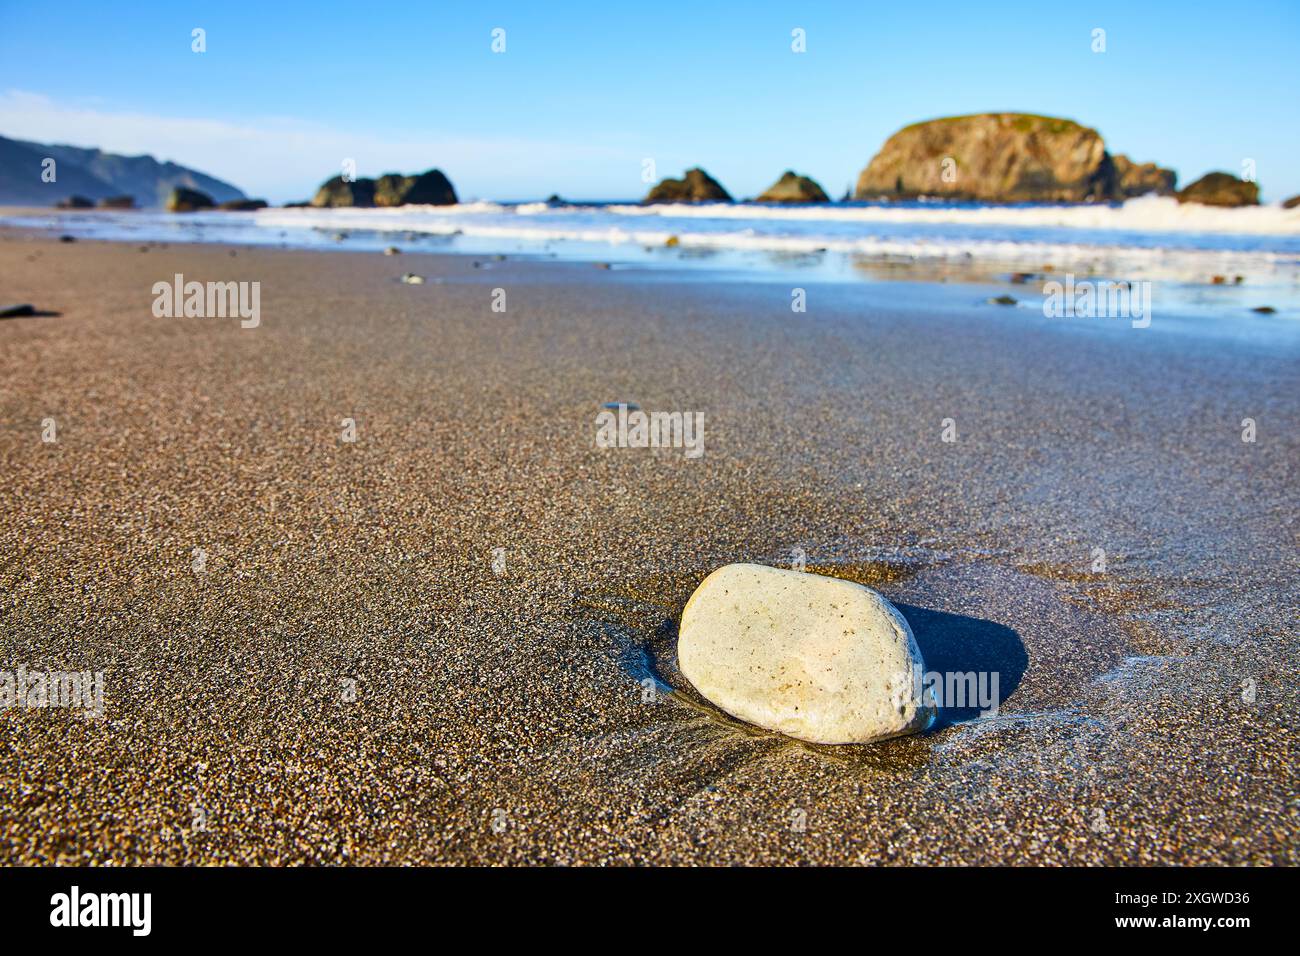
(822,659)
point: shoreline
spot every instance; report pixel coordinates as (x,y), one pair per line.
(481,695)
(1188,286)
(1210,310)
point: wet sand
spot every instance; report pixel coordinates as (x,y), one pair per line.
(349,678)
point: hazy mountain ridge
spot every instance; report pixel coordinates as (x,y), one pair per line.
(95,174)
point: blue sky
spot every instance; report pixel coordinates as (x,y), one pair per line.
(585,91)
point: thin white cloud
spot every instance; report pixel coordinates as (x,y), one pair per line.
(283,158)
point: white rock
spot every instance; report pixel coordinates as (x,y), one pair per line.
(822,659)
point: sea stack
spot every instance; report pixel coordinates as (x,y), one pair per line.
(242,205)
(1005,157)
(337,191)
(1221,189)
(791,188)
(695,186)
(430,188)
(1131,179)
(188,200)
(818,658)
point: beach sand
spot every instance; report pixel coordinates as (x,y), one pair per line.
(348,678)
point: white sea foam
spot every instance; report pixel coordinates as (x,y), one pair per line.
(1147,214)
(1195,242)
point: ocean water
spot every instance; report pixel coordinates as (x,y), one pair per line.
(1183,247)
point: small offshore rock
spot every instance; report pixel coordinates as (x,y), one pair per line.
(1220,189)
(793,188)
(339,191)
(1264,309)
(242,205)
(1130,179)
(430,188)
(1002,300)
(821,659)
(695,186)
(183,199)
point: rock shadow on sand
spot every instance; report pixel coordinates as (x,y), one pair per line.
(949,643)
(958,644)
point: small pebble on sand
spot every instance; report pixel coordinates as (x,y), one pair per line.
(411,278)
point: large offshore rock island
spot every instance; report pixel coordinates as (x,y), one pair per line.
(1006,157)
